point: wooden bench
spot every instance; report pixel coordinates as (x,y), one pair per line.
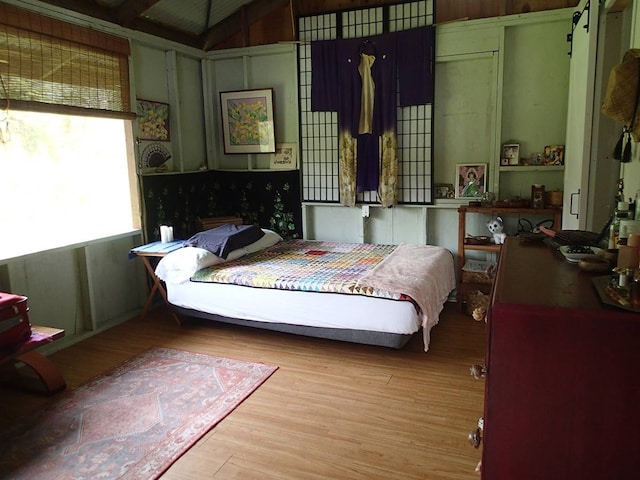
(47,376)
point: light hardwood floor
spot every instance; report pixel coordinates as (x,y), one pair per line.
(332,410)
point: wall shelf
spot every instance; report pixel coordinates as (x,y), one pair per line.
(532,168)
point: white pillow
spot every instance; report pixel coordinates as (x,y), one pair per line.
(180,265)
(270,238)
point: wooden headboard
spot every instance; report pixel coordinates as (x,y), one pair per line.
(213,222)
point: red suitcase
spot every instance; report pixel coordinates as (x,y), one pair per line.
(14,319)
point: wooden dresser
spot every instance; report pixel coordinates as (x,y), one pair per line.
(562,392)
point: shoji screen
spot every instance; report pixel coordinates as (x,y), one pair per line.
(319,130)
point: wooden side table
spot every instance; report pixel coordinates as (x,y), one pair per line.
(155,250)
(49,377)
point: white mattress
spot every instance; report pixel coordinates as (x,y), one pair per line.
(326,310)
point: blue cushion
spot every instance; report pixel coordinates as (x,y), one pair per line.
(224,239)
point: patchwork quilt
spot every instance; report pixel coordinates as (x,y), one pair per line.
(313,266)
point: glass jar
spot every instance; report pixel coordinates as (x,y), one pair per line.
(487,199)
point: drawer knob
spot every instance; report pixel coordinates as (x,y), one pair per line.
(475,437)
(478,371)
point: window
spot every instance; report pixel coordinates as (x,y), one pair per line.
(65,179)
(66,169)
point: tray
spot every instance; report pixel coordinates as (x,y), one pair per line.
(610,296)
(477,240)
(576,257)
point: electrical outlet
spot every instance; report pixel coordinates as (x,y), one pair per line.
(365,211)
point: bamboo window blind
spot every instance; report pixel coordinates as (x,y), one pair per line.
(57,67)
(319,130)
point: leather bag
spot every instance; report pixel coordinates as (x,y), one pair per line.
(15,327)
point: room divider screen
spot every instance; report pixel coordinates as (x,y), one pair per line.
(319,130)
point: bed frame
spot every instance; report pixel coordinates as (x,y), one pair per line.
(382,339)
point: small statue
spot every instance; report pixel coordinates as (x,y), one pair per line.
(620,194)
(496,226)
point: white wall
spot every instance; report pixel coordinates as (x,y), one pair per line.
(164,74)
(270,66)
(83,288)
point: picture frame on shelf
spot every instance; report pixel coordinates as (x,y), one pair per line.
(248,121)
(443,190)
(553,155)
(510,154)
(284,157)
(471,180)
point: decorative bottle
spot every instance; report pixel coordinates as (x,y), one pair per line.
(621,213)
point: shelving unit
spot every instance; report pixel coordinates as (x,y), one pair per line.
(464,287)
(532,168)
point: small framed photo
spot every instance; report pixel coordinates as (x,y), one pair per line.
(471,179)
(443,190)
(510,154)
(553,155)
(247,121)
(285,157)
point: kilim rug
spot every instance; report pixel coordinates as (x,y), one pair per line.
(130,423)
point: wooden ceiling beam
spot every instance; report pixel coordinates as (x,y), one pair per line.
(91,9)
(129,10)
(239,21)
(172,34)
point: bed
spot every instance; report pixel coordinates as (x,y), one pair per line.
(362,293)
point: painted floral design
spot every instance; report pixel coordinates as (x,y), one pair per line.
(247,118)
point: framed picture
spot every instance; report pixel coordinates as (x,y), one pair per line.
(553,155)
(443,190)
(285,157)
(247,121)
(510,154)
(471,179)
(153,121)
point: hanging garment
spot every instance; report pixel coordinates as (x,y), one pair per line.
(359,78)
(621,102)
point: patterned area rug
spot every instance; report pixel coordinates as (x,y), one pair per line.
(132,422)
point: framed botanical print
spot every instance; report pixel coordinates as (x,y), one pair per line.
(153,121)
(247,121)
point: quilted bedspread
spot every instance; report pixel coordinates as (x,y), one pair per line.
(314,266)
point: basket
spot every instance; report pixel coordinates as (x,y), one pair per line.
(476,299)
(478,277)
(477,271)
(553,198)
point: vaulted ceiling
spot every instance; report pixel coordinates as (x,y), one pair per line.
(198,23)
(212,24)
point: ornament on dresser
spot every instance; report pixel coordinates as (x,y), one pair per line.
(496,227)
